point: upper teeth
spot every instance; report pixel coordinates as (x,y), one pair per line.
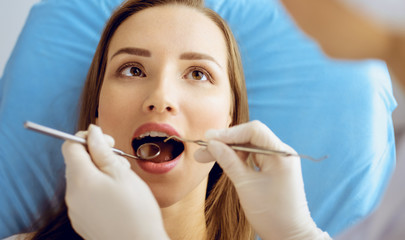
(153,134)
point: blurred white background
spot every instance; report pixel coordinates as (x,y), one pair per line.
(13,14)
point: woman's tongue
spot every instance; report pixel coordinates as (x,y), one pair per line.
(166,150)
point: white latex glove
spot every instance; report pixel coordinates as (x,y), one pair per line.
(273,198)
(105,198)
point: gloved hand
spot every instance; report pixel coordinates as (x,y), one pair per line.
(105,198)
(272,198)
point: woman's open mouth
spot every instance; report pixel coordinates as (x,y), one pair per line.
(169,149)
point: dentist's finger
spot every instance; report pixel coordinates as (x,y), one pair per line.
(226,157)
(77,160)
(202,155)
(102,155)
(255,133)
(110,140)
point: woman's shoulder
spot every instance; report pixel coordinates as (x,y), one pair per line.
(22,236)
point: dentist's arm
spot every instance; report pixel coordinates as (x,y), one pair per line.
(344,33)
(273,198)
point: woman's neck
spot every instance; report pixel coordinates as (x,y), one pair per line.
(186,218)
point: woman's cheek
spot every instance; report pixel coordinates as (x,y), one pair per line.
(214,113)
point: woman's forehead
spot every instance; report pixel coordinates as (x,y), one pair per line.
(172,28)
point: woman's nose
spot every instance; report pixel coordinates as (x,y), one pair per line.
(157,108)
(161,98)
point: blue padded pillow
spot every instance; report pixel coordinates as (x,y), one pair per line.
(316,105)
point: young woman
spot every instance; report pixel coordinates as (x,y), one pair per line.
(164,68)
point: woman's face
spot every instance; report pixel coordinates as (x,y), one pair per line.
(166,75)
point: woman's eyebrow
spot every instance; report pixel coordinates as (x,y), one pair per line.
(198,56)
(133,51)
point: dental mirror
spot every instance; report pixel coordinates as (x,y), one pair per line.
(144,152)
(148,151)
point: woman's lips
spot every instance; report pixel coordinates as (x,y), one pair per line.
(157,167)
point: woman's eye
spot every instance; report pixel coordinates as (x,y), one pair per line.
(132,71)
(197,75)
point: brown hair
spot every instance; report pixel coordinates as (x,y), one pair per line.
(224,216)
